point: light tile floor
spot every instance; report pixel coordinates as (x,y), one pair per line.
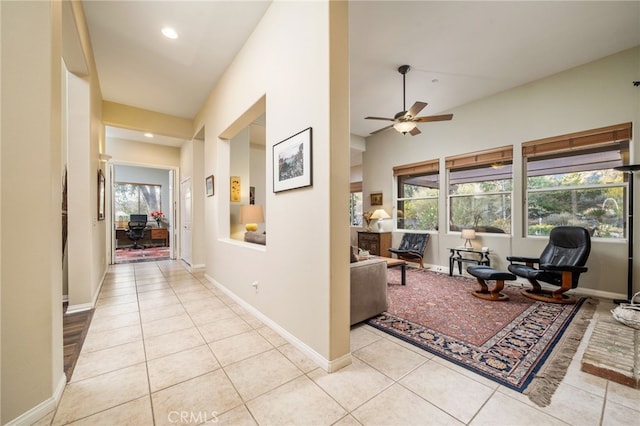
(166,347)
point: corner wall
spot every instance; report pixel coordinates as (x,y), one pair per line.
(31,291)
(302,274)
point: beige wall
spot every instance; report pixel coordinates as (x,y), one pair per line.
(142,154)
(32,166)
(298,279)
(32,365)
(128,117)
(587,97)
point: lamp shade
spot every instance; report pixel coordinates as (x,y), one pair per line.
(468,234)
(380,214)
(404,126)
(251,215)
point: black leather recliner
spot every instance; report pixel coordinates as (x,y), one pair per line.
(560,264)
(412,247)
(136,233)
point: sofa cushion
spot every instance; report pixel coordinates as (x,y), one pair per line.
(353,250)
(255,237)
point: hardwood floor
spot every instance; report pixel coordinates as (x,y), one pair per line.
(75,327)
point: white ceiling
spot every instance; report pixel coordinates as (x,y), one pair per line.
(459,51)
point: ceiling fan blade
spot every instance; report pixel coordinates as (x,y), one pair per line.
(380,130)
(415,109)
(379,118)
(444,117)
(415,131)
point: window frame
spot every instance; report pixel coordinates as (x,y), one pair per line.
(423,168)
(604,139)
(491,158)
(139,195)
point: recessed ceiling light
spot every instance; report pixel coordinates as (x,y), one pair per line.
(148,135)
(169,32)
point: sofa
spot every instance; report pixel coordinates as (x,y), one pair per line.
(368,289)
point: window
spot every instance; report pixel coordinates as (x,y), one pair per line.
(355,204)
(134,198)
(417,199)
(571,181)
(480,188)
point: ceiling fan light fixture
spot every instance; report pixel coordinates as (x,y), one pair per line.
(404,126)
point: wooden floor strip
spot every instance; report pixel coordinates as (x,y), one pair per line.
(75,327)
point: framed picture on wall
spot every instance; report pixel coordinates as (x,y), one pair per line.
(376,199)
(292,162)
(209,185)
(235,188)
(101,195)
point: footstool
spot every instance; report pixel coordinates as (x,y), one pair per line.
(483,273)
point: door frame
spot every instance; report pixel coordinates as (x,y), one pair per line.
(174,202)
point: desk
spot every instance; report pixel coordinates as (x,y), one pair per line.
(150,239)
(480,258)
(160,234)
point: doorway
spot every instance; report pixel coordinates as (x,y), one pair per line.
(142,196)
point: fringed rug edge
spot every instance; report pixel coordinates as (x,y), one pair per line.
(548,378)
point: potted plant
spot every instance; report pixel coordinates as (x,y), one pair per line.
(157,216)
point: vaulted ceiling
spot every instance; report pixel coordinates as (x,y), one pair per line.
(458,51)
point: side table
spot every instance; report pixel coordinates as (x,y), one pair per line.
(479,258)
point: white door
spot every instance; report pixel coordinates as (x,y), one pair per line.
(185,220)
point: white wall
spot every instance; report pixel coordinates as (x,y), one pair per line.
(299,289)
(587,97)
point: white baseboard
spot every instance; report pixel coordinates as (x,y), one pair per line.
(44,408)
(197,267)
(325,364)
(71,309)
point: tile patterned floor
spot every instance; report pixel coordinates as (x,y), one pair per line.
(166,347)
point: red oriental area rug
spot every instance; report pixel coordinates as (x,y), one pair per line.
(148,254)
(507,342)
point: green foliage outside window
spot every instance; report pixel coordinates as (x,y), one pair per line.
(592,199)
(480,198)
(355,208)
(417,204)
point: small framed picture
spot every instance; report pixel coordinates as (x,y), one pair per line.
(292,163)
(235,188)
(376,199)
(209,185)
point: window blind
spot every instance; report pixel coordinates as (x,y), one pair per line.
(431,166)
(602,137)
(480,158)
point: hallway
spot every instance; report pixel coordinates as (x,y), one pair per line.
(167,347)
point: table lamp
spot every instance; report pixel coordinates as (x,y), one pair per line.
(468,235)
(380,214)
(251,215)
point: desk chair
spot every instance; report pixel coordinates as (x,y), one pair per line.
(136,232)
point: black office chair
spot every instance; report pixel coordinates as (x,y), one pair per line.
(560,264)
(136,232)
(412,247)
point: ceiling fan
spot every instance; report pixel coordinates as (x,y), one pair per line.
(405,121)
